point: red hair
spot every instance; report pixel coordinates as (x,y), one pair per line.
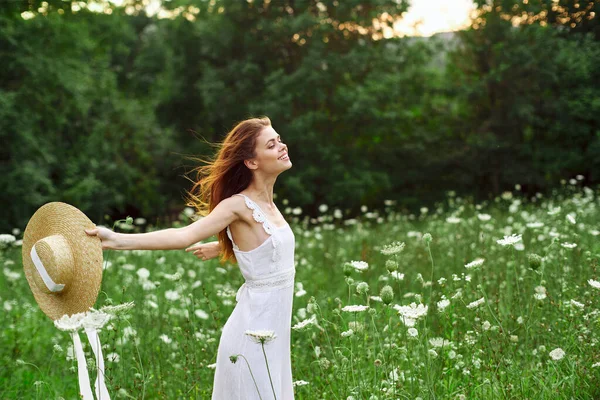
(226,174)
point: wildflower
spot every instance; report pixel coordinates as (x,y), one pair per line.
(412,332)
(397,275)
(439,342)
(540,293)
(486,325)
(355,308)
(571,218)
(303,324)
(6,240)
(553,211)
(567,245)
(376,298)
(347,333)
(261,336)
(427,238)
(143,273)
(299,383)
(509,240)
(534,260)
(165,338)
(453,220)
(387,294)
(484,217)
(201,314)
(576,303)
(113,357)
(432,353)
(535,224)
(391,265)
(442,304)
(362,288)
(392,248)
(409,314)
(594,284)
(557,354)
(514,338)
(172,295)
(358,265)
(476,303)
(474,264)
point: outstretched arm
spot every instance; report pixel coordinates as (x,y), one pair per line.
(172,238)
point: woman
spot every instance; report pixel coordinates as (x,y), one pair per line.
(236,191)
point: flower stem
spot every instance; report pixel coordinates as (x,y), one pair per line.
(252,375)
(267,362)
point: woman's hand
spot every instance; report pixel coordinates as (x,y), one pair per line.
(205,251)
(108,237)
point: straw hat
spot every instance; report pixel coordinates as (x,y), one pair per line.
(62,264)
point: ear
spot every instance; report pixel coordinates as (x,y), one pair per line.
(250,164)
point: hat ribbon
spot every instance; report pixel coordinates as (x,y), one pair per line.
(84,379)
(53,287)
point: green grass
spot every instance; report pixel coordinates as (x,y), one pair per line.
(497,350)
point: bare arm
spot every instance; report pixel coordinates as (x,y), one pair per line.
(172,238)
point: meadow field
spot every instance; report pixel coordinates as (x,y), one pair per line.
(495,300)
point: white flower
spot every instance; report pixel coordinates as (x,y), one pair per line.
(540,293)
(143,273)
(557,354)
(201,314)
(299,383)
(397,275)
(70,323)
(453,220)
(302,324)
(576,303)
(376,298)
(594,283)
(476,303)
(392,248)
(486,325)
(113,357)
(474,264)
(409,314)
(165,338)
(6,239)
(355,308)
(484,217)
(442,304)
(535,224)
(571,218)
(172,295)
(359,265)
(347,333)
(261,336)
(554,211)
(569,245)
(412,332)
(596,365)
(439,342)
(509,240)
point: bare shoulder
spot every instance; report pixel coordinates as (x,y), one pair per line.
(235,204)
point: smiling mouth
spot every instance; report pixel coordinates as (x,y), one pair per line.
(286,157)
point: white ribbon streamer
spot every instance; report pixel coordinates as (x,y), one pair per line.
(53,287)
(84,380)
(99,385)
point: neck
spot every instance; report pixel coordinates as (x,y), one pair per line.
(262,190)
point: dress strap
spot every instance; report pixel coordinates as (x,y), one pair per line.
(257,213)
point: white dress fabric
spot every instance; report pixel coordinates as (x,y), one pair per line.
(264,302)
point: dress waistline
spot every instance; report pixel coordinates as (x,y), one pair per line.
(271,282)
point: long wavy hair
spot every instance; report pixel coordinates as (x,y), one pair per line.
(226,174)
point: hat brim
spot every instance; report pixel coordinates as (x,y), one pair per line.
(80,294)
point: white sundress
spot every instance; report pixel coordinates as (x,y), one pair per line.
(264,302)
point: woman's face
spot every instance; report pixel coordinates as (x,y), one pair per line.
(271,152)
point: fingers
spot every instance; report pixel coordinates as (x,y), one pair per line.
(91,232)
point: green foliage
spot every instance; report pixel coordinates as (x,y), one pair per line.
(99,110)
